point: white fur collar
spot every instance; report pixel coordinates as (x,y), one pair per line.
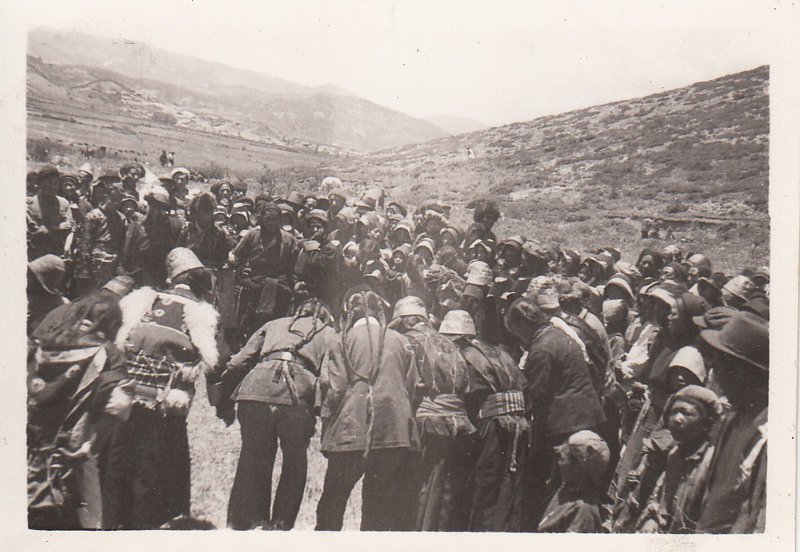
(199,317)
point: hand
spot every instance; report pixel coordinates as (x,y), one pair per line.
(227,413)
(74,371)
(119,404)
(65,226)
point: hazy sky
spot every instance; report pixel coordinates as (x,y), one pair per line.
(497,62)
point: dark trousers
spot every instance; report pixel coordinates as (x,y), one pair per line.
(383,471)
(496,483)
(440,472)
(263,426)
(145,471)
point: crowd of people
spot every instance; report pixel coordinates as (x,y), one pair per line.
(473,383)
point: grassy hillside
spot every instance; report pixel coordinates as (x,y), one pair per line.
(698,156)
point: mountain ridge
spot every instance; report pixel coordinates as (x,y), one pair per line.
(327,114)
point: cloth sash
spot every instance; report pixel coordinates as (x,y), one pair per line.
(497,404)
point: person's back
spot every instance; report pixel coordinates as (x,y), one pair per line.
(367,404)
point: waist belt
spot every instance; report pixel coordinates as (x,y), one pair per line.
(283,355)
(283,371)
(497,404)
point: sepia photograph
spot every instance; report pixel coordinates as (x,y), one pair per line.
(408,267)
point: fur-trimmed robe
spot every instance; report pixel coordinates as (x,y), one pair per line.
(168,337)
(171,325)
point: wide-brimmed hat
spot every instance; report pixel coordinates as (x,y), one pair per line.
(159,195)
(715,317)
(761,272)
(220,213)
(180,260)
(758,305)
(457,322)
(399,206)
(49,271)
(426,244)
(621,281)
(295,199)
(367,202)
(410,306)
(699,261)
(744,336)
(339,193)
(542,290)
(691,359)
(317,214)
(515,241)
(740,286)
(406,225)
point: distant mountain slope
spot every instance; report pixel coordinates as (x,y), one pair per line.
(707,143)
(453,124)
(327,114)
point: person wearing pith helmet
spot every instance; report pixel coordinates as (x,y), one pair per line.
(85,176)
(442,421)
(496,406)
(169,338)
(735,499)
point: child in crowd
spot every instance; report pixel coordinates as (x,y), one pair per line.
(582,462)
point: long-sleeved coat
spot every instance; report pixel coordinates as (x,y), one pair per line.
(560,390)
(263,379)
(360,393)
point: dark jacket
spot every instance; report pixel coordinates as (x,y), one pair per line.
(368,404)
(560,391)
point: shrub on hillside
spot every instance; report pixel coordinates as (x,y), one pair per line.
(213,170)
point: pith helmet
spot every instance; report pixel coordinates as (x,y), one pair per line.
(457,322)
(179,260)
(409,306)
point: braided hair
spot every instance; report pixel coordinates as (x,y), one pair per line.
(362,302)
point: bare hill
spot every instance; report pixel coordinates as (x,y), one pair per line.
(327,114)
(697,155)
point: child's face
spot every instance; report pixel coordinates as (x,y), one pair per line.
(687,421)
(680,377)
